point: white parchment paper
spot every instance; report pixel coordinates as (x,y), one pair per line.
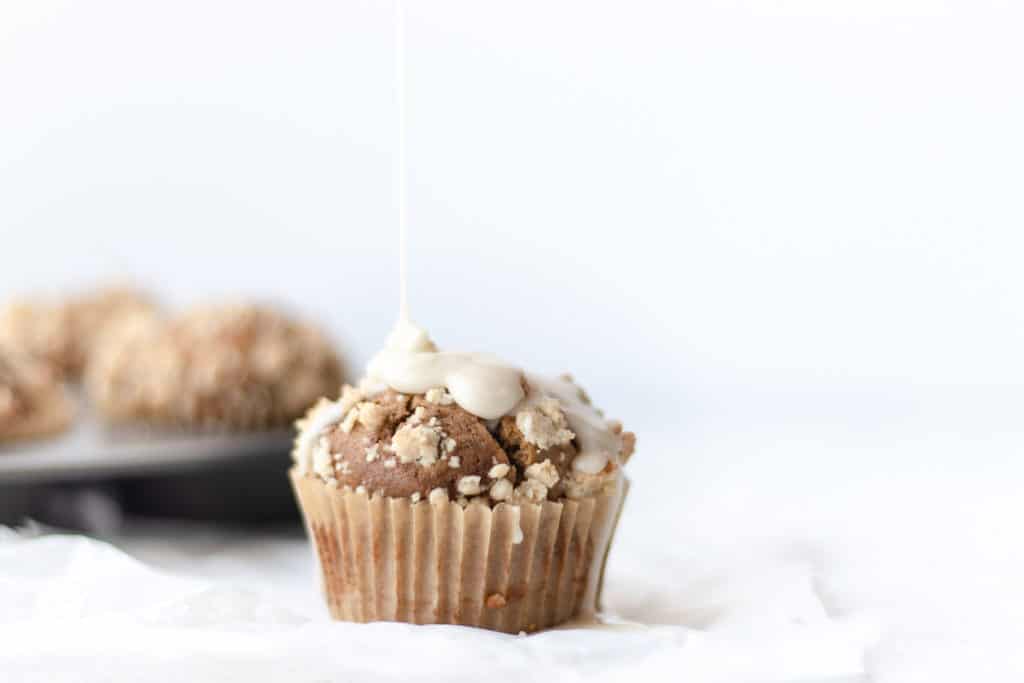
(757,557)
(77,609)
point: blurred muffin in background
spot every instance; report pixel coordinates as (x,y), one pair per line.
(228,366)
(40,329)
(62,333)
(33,401)
(93,314)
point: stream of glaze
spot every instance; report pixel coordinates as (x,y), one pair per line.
(482,384)
(401,165)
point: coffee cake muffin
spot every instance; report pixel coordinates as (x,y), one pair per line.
(229,366)
(33,401)
(487,500)
(63,333)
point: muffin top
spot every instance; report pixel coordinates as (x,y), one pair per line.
(63,333)
(42,330)
(32,398)
(550,443)
(240,366)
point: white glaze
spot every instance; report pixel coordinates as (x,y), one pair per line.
(400,165)
(589,607)
(596,442)
(327,413)
(490,388)
(480,383)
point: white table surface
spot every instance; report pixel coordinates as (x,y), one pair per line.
(771,549)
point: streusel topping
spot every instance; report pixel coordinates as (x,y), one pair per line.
(63,333)
(397,445)
(234,366)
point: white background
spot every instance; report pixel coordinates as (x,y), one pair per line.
(763,191)
(784,237)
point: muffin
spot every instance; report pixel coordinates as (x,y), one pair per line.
(488,499)
(33,401)
(229,367)
(64,333)
(94,315)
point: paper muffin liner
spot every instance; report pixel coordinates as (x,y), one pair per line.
(510,568)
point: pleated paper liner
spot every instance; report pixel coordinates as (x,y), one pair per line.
(389,559)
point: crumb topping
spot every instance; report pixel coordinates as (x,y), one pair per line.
(469,485)
(501,489)
(230,366)
(350,397)
(371,415)
(64,333)
(530,491)
(323,462)
(399,445)
(544,425)
(543,472)
(416,443)
(440,396)
(350,420)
